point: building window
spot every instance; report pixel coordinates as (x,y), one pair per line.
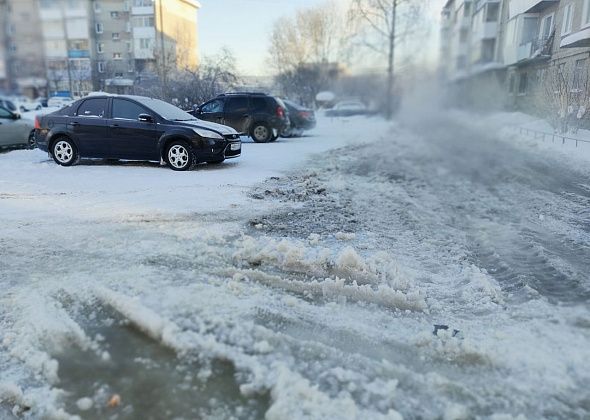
(100,48)
(119,74)
(511,83)
(568,17)
(492,12)
(116,56)
(99,28)
(522,83)
(116,36)
(101,66)
(115,15)
(129,46)
(546,27)
(143,21)
(96,7)
(467,9)
(126,5)
(586,13)
(145,43)
(488,47)
(143,3)
(580,75)
(130,67)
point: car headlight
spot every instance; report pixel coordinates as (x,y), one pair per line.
(207,134)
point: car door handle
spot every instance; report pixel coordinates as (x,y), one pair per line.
(114,125)
(75,124)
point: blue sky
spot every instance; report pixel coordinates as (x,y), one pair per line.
(244,26)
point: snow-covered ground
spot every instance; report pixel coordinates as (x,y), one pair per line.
(303,280)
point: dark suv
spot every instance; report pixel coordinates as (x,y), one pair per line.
(133,128)
(257,115)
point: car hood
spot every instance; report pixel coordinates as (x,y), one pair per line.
(207,125)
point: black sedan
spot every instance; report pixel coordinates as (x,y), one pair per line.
(302,119)
(133,128)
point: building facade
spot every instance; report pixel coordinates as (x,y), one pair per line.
(79,46)
(23,57)
(524,54)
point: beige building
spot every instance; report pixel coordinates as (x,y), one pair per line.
(79,46)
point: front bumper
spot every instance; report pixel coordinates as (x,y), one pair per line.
(233,150)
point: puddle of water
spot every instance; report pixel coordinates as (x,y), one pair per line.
(151,381)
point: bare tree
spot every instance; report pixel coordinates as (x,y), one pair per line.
(306,50)
(565,96)
(381,26)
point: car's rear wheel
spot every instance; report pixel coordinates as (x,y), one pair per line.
(180,156)
(64,152)
(261,133)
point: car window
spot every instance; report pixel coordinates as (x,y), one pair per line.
(239,104)
(93,108)
(213,106)
(10,105)
(127,110)
(258,104)
(4,113)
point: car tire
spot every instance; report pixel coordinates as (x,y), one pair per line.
(287,132)
(65,152)
(180,156)
(31,142)
(261,133)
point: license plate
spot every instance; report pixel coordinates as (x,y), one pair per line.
(236,146)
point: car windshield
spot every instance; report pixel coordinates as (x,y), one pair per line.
(166,110)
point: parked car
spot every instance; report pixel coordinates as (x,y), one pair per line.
(25,104)
(347,109)
(133,128)
(301,119)
(8,104)
(59,101)
(257,115)
(15,131)
(43,101)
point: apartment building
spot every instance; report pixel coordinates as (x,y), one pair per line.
(79,46)
(3,24)
(21,53)
(516,47)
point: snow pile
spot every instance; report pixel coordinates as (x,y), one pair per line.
(343,274)
(294,397)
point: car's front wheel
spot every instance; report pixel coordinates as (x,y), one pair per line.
(180,156)
(64,152)
(261,133)
(31,142)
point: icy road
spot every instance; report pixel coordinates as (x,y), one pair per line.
(303,280)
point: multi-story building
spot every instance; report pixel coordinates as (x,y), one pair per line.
(68,42)
(23,53)
(78,46)
(3,40)
(533,48)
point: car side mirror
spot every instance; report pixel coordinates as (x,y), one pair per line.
(146,118)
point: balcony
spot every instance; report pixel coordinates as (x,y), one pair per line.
(518,7)
(142,10)
(537,49)
(578,39)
